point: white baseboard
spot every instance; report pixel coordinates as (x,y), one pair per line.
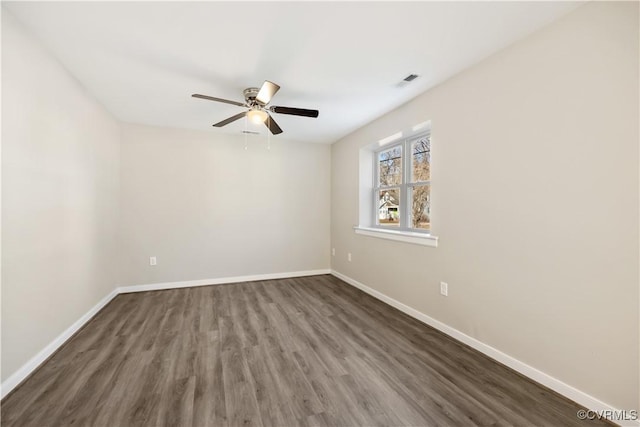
(219,281)
(555,384)
(26,369)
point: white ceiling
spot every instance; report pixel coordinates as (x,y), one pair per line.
(143,60)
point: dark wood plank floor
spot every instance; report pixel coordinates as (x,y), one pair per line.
(307,351)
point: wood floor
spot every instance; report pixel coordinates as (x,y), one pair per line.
(307,351)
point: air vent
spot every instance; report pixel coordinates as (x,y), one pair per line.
(250,132)
(410,77)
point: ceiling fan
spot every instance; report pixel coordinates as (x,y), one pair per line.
(256,100)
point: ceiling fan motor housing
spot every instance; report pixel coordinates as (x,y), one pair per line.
(250,95)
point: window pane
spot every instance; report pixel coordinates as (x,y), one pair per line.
(389,207)
(390,166)
(420,209)
(421,159)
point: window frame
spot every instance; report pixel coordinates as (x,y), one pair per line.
(406,185)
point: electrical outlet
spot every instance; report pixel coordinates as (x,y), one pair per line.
(349,257)
(444,289)
(333,251)
(153,260)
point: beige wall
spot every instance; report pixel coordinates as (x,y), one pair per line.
(208,208)
(59,198)
(535,202)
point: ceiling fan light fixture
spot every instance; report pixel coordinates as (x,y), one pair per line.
(257,116)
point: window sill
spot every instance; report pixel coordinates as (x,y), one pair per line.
(399,236)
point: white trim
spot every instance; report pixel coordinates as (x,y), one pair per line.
(219,281)
(25,370)
(547,380)
(399,236)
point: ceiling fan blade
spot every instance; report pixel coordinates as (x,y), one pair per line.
(226,101)
(272,125)
(267,91)
(295,111)
(231,119)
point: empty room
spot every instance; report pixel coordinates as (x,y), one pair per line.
(320,213)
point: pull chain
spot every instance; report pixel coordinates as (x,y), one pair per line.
(269,141)
(246,135)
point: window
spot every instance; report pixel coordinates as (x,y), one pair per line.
(394,187)
(402,191)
